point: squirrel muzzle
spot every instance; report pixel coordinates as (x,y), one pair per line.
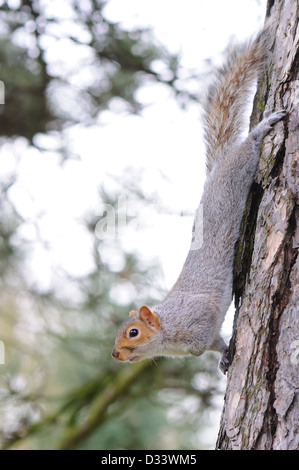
(123,357)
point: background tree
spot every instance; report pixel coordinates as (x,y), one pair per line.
(105,66)
(261,408)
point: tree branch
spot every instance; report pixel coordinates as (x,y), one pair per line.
(94,392)
(97,412)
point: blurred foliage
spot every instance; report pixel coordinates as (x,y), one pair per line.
(106,65)
(59,387)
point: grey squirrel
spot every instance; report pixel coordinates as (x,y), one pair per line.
(189,320)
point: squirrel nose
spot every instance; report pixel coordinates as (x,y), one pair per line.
(115,354)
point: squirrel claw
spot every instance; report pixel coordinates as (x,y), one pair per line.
(224,362)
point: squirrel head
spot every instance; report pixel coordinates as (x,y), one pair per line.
(136,336)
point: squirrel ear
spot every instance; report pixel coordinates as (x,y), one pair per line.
(132,312)
(149,317)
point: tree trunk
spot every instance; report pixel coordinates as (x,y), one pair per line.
(261,409)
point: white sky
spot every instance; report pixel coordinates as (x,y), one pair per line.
(169,138)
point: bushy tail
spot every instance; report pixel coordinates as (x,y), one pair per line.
(226,99)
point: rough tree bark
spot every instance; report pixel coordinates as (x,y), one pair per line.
(261,409)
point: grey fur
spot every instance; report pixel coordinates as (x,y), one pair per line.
(193,312)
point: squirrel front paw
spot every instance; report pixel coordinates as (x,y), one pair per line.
(224,362)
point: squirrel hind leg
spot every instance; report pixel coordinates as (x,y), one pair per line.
(265,126)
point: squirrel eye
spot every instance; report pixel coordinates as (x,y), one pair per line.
(133,332)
